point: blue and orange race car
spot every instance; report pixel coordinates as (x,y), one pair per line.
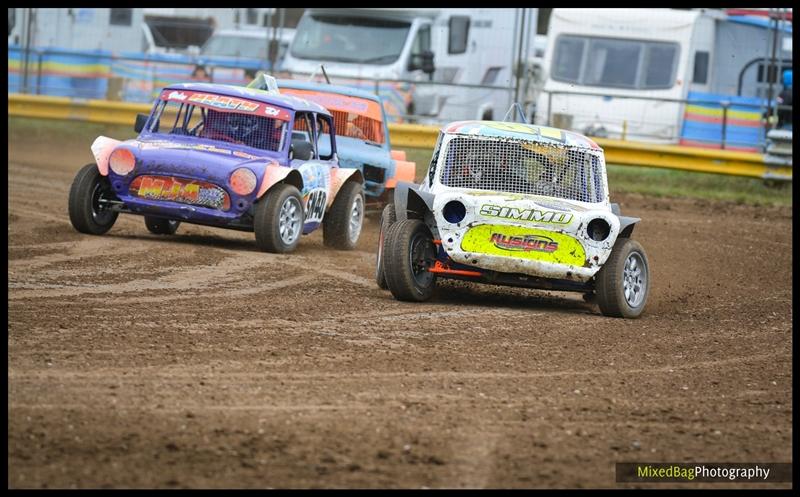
(362,135)
(225,156)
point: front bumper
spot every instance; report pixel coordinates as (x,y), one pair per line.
(537,248)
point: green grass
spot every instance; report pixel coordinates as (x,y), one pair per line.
(658,182)
(621,179)
(670,183)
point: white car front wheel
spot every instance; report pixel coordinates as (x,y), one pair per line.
(623,283)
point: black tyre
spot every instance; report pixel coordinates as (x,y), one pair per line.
(86,212)
(409,254)
(623,283)
(278,221)
(341,226)
(161,226)
(388,218)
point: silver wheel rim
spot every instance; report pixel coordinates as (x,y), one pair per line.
(289,220)
(634,280)
(356,219)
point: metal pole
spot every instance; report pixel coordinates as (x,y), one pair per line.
(269,23)
(39,73)
(324,73)
(549,106)
(759,85)
(511,67)
(526,50)
(724,122)
(272,53)
(773,69)
(26,62)
(281,22)
(519,57)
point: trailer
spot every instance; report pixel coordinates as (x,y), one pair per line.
(698,77)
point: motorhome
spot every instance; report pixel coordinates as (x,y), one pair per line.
(629,73)
(398,52)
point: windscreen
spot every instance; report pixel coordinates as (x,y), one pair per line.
(343,38)
(236,46)
(208,116)
(507,166)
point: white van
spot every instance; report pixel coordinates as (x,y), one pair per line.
(461,46)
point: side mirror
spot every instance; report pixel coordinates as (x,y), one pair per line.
(423,61)
(301,150)
(427,62)
(141,120)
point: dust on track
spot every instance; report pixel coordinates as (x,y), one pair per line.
(136,360)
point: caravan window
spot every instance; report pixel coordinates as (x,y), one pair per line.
(700,74)
(567,62)
(659,61)
(614,63)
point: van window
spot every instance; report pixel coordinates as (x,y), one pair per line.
(252,16)
(491,75)
(700,74)
(121,17)
(614,63)
(459,35)
(422,42)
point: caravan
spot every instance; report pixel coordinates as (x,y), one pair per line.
(399,52)
(629,73)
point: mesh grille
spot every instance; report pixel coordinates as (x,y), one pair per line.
(260,132)
(352,125)
(356,126)
(524,167)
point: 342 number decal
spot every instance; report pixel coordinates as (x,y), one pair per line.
(315,205)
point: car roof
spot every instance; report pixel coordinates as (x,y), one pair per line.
(287,101)
(326,88)
(520,131)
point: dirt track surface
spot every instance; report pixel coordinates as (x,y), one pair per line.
(194,360)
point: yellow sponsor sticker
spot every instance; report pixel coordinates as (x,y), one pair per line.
(524,243)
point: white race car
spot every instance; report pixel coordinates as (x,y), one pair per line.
(513,204)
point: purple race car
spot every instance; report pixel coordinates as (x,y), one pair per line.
(225,156)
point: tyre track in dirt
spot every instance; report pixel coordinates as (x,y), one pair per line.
(195,360)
